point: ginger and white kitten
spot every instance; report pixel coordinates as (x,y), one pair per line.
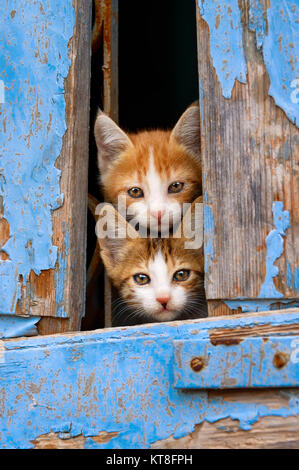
(156,171)
(157,279)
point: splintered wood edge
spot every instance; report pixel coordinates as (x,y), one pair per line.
(269,432)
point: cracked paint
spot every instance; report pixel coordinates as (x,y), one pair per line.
(226,43)
(269,295)
(33,65)
(120,381)
(277,36)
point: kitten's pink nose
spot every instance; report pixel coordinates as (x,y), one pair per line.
(157,214)
(163,300)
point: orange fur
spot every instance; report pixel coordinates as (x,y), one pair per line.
(135,256)
(171,160)
(152,161)
(126,257)
(125,161)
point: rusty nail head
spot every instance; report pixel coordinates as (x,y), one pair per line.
(280,359)
(197,363)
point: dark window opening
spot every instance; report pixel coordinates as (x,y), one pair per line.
(158,73)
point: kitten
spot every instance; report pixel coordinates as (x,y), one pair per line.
(155,171)
(156,279)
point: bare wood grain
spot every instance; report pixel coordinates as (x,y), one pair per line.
(54,440)
(197,326)
(269,432)
(110,67)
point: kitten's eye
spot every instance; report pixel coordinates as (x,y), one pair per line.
(141,279)
(175,187)
(135,192)
(181,275)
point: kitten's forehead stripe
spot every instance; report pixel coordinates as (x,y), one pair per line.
(158,270)
(154,182)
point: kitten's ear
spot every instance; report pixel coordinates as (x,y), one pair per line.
(114,233)
(187,131)
(190,229)
(110,140)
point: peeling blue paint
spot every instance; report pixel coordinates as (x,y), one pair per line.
(208,234)
(257,305)
(33,64)
(287,149)
(120,381)
(257,21)
(226,42)
(296,279)
(60,277)
(268,291)
(17,326)
(281,55)
(277,36)
(280,48)
(246,364)
(293,277)
(201,97)
(274,243)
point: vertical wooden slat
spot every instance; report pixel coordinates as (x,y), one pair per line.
(110,69)
(73,162)
(250,160)
(44,160)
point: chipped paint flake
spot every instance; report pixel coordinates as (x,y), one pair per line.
(257,21)
(268,291)
(17,326)
(274,243)
(293,277)
(277,34)
(236,363)
(2,352)
(60,278)
(121,381)
(226,42)
(209,234)
(248,305)
(33,65)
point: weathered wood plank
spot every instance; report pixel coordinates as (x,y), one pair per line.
(236,363)
(250,146)
(33,123)
(71,219)
(113,388)
(64,441)
(44,154)
(111,105)
(270,432)
(110,66)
